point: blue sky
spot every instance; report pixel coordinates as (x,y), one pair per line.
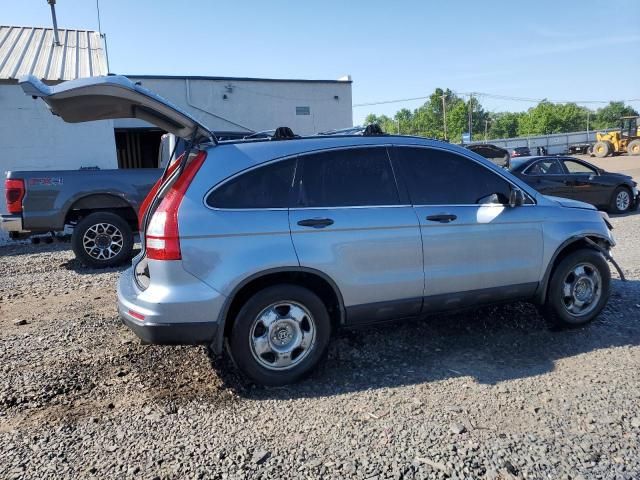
(561,50)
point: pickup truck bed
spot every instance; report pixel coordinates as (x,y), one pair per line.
(99,205)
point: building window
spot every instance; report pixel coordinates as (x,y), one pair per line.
(303,110)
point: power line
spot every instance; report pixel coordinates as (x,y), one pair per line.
(389,101)
(493,96)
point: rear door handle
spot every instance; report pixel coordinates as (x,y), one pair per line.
(316,222)
(442,218)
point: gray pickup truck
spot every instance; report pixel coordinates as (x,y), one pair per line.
(100,205)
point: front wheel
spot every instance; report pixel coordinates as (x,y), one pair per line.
(621,201)
(102,239)
(578,290)
(280,335)
(602,149)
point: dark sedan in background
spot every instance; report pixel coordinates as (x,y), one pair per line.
(573,178)
(519,152)
(497,155)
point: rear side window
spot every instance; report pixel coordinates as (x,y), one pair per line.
(343,178)
(262,187)
(437,177)
(577,167)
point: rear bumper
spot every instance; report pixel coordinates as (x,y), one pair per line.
(184,311)
(11,223)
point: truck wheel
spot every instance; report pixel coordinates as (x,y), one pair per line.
(578,290)
(102,239)
(280,335)
(634,147)
(602,149)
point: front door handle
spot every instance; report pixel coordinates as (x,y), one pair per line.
(316,222)
(442,218)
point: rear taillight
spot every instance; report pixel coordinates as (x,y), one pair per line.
(152,193)
(14,193)
(162,237)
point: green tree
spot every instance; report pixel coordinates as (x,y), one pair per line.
(504,124)
(545,118)
(609,116)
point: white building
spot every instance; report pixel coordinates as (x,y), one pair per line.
(33,139)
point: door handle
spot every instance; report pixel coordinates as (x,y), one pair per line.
(442,218)
(316,222)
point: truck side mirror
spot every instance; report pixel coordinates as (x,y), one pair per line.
(516,197)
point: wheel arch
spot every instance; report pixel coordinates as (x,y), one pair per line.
(315,280)
(101,202)
(567,247)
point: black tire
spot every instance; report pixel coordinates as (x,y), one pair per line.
(602,149)
(621,196)
(113,240)
(634,147)
(556,309)
(247,327)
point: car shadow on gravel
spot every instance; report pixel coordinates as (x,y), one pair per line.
(77,266)
(22,248)
(489,345)
(631,213)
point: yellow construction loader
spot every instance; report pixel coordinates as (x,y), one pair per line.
(625,140)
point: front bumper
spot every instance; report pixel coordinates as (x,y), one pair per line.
(172,333)
(184,311)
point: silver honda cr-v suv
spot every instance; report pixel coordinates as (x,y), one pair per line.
(268,246)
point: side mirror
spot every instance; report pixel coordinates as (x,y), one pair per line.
(516,197)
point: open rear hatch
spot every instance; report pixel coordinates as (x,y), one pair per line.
(103,98)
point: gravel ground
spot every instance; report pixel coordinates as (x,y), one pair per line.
(487,394)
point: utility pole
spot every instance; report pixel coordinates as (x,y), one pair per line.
(588,113)
(486,124)
(444,115)
(470,116)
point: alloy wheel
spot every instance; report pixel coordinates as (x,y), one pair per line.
(623,200)
(102,241)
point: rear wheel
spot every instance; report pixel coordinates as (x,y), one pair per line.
(621,201)
(102,239)
(578,290)
(602,149)
(634,147)
(280,335)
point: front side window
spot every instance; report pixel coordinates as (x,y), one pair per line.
(577,167)
(438,177)
(347,178)
(263,187)
(549,166)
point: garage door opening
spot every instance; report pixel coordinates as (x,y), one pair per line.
(138,148)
